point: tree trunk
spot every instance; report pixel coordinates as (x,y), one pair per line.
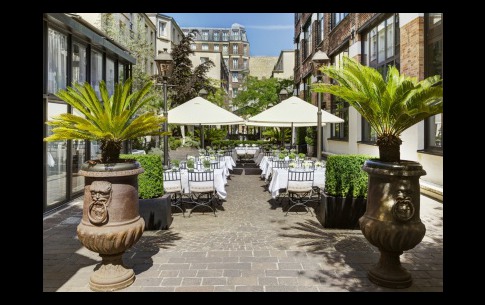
(389,148)
(110,151)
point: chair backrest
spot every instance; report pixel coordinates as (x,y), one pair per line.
(268,153)
(201,182)
(228,152)
(172,181)
(280,164)
(221,158)
(215,164)
(300,181)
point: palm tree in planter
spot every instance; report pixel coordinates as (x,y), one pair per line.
(111,222)
(391,221)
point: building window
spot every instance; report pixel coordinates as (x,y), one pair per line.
(245,63)
(340,107)
(204,59)
(320,23)
(297,17)
(244,37)
(216,36)
(110,75)
(162,29)
(235,49)
(235,35)
(57,61)
(234,92)
(216,47)
(205,35)
(121,73)
(380,49)
(205,47)
(234,77)
(307,94)
(225,36)
(307,40)
(226,61)
(235,62)
(96,69)
(79,63)
(337,17)
(433,136)
(245,47)
(192,46)
(297,54)
(225,49)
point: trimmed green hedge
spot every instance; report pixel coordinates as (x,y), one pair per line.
(344,176)
(150,183)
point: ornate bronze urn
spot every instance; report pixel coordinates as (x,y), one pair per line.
(111,223)
(391,221)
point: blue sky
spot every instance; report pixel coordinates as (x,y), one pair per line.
(268,33)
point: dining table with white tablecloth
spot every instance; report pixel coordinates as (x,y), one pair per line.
(220,181)
(279,180)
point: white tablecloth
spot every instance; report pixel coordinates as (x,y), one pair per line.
(229,162)
(259,158)
(280,180)
(246,150)
(220,181)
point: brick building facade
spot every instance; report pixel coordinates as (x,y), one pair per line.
(410,41)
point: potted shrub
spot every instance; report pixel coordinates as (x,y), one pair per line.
(154,207)
(111,222)
(310,141)
(344,199)
(391,221)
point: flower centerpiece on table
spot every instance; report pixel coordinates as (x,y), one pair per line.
(307,164)
(212,157)
(281,155)
(254,145)
(202,158)
(301,156)
(292,165)
(190,158)
(240,145)
(318,164)
(175,164)
(292,150)
(292,156)
(201,151)
(247,145)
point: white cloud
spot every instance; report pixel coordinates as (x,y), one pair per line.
(271,27)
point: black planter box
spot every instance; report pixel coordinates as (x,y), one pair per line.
(339,212)
(157,212)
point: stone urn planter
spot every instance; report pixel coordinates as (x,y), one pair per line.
(391,221)
(111,223)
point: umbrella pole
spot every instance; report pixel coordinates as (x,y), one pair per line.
(201,136)
(292,135)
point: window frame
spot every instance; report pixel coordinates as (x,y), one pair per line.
(434,37)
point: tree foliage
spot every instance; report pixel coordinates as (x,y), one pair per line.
(187,82)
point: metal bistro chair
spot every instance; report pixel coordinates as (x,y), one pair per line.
(268,153)
(277,164)
(299,189)
(202,191)
(172,184)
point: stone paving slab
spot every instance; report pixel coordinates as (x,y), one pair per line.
(249,247)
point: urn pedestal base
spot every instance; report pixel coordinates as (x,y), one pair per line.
(111,275)
(388,272)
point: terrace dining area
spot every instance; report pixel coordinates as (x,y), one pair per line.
(255,244)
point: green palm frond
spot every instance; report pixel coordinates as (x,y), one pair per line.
(391,105)
(110,118)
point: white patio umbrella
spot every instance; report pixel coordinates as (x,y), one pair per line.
(292,112)
(199,111)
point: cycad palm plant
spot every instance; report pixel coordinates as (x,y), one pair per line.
(390,106)
(110,120)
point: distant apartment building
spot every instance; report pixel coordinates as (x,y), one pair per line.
(169,34)
(123,26)
(219,72)
(234,45)
(262,66)
(285,65)
(413,42)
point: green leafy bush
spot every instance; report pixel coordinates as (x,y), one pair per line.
(174,143)
(344,176)
(234,143)
(150,183)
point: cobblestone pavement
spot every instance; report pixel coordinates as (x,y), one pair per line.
(249,246)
